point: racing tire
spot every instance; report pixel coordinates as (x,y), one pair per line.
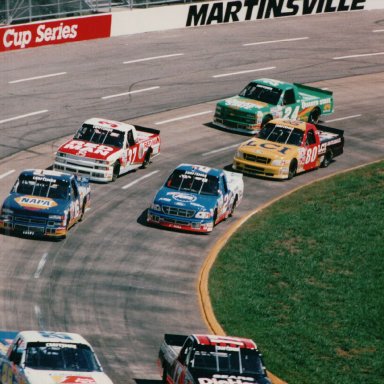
(215,217)
(116,171)
(292,169)
(265,120)
(327,159)
(233,207)
(314,116)
(147,159)
(81,218)
(164,377)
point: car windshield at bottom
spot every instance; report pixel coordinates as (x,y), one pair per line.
(227,360)
(61,357)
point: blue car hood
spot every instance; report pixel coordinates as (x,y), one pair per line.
(34,204)
(182,199)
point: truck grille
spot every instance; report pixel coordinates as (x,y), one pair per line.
(257,159)
(181,212)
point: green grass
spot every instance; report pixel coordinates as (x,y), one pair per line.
(305,279)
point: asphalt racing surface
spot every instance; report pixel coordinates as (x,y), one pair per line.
(115,280)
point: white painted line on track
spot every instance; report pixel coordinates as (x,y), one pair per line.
(342,118)
(220,149)
(182,117)
(361,55)
(241,72)
(275,41)
(139,179)
(129,93)
(378,30)
(22,116)
(40,267)
(37,77)
(2,176)
(153,58)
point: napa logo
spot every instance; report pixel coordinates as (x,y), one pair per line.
(35,203)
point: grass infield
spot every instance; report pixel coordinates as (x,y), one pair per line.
(305,279)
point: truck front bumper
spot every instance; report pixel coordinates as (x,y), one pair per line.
(235,126)
(259,169)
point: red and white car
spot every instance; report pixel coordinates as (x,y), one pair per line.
(104,149)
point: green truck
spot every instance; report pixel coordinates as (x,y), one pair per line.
(265,99)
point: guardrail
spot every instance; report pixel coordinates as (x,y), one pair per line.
(26,11)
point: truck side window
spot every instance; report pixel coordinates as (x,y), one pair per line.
(311,139)
(224,185)
(289,97)
(131,140)
(74,190)
(17,352)
(185,352)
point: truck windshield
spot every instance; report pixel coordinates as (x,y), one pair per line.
(227,360)
(42,186)
(192,181)
(100,135)
(281,134)
(61,357)
(269,95)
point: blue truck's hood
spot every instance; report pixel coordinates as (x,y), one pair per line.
(172,197)
(41,205)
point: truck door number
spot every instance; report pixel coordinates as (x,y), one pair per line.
(311,155)
(132,155)
(290,113)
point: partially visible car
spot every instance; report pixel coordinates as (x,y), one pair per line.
(196,198)
(44,357)
(45,203)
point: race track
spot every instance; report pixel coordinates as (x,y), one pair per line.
(115,280)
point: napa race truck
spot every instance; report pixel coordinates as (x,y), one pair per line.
(284,148)
(42,357)
(265,99)
(104,149)
(211,359)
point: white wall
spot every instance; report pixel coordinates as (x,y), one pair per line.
(227,11)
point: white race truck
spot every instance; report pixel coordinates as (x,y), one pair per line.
(40,357)
(105,149)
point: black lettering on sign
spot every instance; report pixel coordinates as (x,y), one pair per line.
(197,17)
(216,13)
(232,10)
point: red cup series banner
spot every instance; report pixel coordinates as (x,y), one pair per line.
(54,32)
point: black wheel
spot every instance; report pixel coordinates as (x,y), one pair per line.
(215,217)
(265,120)
(164,377)
(147,159)
(233,207)
(116,171)
(81,218)
(314,116)
(327,159)
(292,169)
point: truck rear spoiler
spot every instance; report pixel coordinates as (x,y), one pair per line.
(314,89)
(146,129)
(337,131)
(177,340)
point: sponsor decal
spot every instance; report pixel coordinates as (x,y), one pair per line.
(182,197)
(237,103)
(84,148)
(35,203)
(73,379)
(233,11)
(54,32)
(226,379)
